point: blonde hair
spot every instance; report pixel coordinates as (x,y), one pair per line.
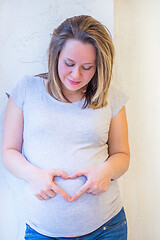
(88,30)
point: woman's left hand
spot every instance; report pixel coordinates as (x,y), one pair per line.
(98,180)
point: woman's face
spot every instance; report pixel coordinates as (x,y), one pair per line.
(76,66)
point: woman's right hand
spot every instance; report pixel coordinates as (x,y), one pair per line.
(43,186)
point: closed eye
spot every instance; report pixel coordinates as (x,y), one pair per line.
(69,64)
(87,68)
(72,64)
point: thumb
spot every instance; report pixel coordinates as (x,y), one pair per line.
(59,173)
(79,173)
(83,189)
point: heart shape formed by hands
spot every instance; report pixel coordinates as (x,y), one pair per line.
(70,186)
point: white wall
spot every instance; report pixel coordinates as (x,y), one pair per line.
(137,42)
(25,28)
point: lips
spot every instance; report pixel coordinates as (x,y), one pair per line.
(73,82)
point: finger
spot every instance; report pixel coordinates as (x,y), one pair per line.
(59,191)
(39,197)
(78,173)
(83,189)
(60,173)
(89,191)
(51,193)
(45,196)
(94,191)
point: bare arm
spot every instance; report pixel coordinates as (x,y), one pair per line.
(119,152)
(12,141)
(41,181)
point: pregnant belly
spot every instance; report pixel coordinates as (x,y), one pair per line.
(57,217)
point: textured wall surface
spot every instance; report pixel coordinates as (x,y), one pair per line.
(25,28)
(137,42)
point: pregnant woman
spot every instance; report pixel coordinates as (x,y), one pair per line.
(65,133)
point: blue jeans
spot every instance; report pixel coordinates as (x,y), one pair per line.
(114,229)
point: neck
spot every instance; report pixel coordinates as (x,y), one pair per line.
(73,96)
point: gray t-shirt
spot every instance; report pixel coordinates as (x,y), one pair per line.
(64,136)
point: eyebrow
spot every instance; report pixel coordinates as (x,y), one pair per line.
(74,61)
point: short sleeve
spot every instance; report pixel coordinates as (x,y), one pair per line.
(117,100)
(18,92)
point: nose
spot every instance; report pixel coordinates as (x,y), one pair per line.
(76,73)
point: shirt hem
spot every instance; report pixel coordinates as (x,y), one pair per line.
(49,234)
